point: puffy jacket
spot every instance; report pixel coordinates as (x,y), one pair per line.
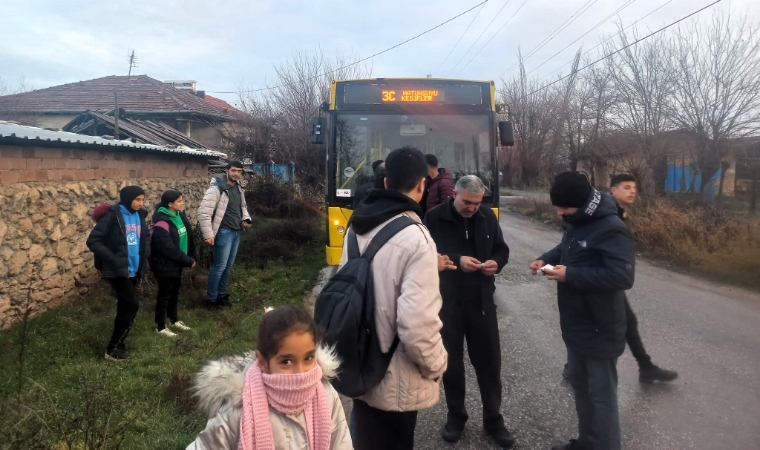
(440,189)
(214,204)
(219,388)
(407,302)
(448,231)
(597,250)
(108,241)
(166,258)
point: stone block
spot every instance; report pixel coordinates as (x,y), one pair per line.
(55,175)
(25,243)
(17,262)
(10,151)
(25,225)
(36,253)
(42,152)
(48,268)
(8,177)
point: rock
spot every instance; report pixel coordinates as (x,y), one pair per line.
(17,262)
(49,209)
(49,268)
(69,231)
(62,249)
(5,253)
(56,234)
(64,219)
(54,281)
(5,304)
(3,230)
(38,235)
(46,296)
(25,225)
(48,224)
(36,253)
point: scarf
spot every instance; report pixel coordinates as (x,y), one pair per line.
(179,224)
(287,394)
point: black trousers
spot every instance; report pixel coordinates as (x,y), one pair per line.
(126,309)
(166,301)
(633,338)
(375,429)
(466,320)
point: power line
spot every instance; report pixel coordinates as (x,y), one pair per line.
(555,33)
(460,37)
(361,60)
(480,36)
(617,34)
(494,35)
(625,5)
(627,46)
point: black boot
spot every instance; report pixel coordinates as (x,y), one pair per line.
(502,437)
(573,445)
(224,300)
(450,433)
(650,373)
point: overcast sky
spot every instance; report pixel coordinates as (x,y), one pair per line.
(224,44)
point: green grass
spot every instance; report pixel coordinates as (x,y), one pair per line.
(68,388)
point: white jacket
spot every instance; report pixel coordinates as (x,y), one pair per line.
(214,204)
(407,302)
(219,388)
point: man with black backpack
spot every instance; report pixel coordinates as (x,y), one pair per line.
(401,259)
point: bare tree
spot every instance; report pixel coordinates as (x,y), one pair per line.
(643,92)
(715,72)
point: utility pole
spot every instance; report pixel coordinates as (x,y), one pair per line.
(132,62)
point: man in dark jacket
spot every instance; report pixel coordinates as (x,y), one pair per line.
(361,191)
(120,242)
(593,266)
(469,234)
(440,186)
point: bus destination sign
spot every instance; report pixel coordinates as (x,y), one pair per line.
(377,94)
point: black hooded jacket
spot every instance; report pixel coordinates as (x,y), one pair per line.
(597,250)
(166,258)
(381,205)
(452,239)
(108,241)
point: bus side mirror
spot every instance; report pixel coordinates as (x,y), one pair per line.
(506,134)
(318,125)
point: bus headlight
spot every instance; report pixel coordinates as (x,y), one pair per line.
(341,229)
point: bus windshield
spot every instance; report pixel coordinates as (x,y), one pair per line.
(460,142)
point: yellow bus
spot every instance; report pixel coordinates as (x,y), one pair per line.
(456,120)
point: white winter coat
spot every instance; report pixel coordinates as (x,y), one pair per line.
(214,204)
(407,302)
(219,388)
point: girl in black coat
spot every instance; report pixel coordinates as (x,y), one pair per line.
(172,248)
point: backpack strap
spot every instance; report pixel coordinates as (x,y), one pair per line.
(353,245)
(385,234)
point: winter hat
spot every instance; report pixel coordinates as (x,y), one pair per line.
(570,190)
(128,194)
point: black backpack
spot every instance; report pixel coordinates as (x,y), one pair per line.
(345,310)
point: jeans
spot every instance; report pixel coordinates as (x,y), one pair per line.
(375,429)
(166,301)
(594,383)
(126,310)
(226,244)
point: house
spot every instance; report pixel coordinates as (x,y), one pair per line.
(50,181)
(174,104)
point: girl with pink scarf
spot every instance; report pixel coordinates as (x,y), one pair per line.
(279,400)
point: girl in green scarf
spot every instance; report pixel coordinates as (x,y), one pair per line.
(172,248)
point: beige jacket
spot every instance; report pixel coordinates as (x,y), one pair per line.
(219,388)
(407,302)
(214,204)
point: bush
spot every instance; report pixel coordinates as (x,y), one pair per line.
(268,198)
(538,208)
(279,239)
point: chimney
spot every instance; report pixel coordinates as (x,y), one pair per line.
(201,94)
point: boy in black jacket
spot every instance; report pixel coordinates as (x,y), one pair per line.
(593,266)
(120,242)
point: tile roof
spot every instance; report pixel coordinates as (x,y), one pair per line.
(138,93)
(145,131)
(15,134)
(219,103)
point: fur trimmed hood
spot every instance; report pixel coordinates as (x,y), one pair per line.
(220,382)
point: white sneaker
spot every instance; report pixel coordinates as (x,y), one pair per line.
(167,332)
(180,326)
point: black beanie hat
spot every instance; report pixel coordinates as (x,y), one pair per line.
(129,193)
(570,190)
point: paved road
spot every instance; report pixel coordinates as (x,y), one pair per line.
(709,333)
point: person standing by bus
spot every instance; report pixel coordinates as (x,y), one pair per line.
(222,215)
(361,191)
(469,234)
(440,186)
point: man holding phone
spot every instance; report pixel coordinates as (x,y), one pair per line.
(222,215)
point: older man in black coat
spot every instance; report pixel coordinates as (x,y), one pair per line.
(593,266)
(469,234)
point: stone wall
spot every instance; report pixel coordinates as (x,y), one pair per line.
(43,229)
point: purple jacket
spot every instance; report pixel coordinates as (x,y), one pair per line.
(440,189)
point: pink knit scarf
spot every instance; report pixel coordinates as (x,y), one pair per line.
(288,394)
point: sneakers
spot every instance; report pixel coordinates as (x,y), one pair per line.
(116,354)
(502,437)
(573,445)
(180,326)
(653,373)
(224,300)
(167,332)
(212,306)
(450,433)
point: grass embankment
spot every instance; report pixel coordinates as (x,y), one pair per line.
(715,244)
(57,391)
